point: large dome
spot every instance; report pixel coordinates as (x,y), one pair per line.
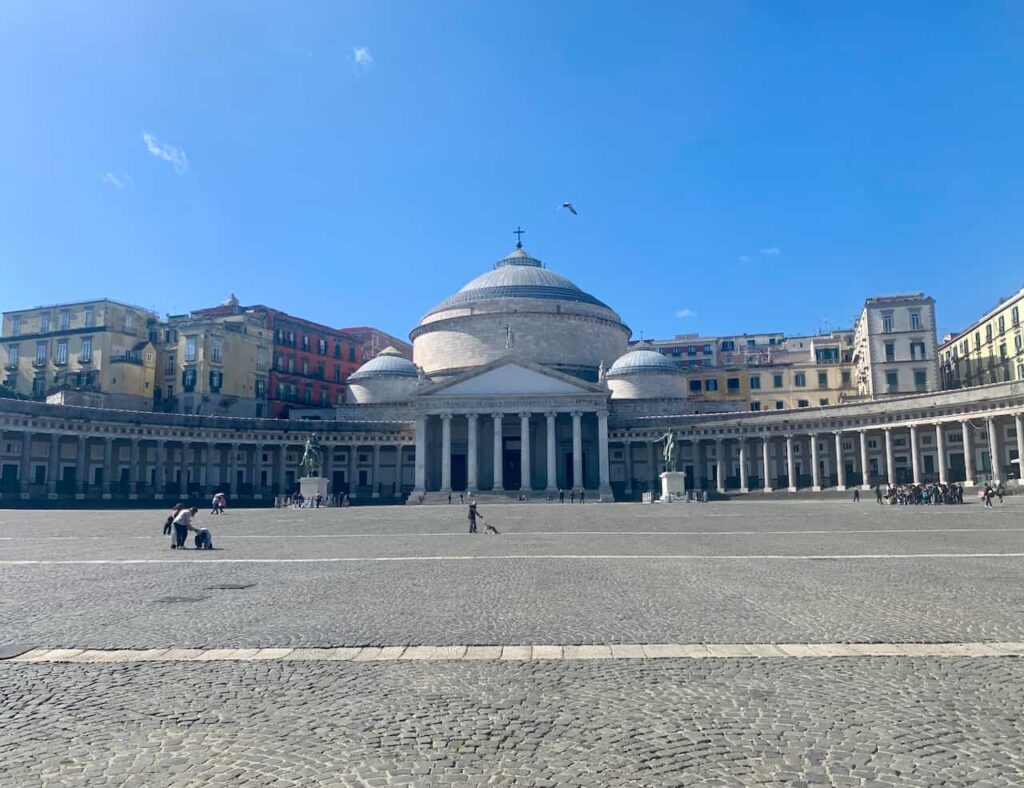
(518,276)
(643,362)
(520,308)
(389,363)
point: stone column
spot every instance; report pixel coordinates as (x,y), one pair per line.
(499,456)
(421,456)
(815,473)
(25,463)
(471,460)
(524,451)
(135,466)
(183,484)
(968,454)
(940,447)
(628,450)
(744,487)
(353,459)
(54,464)
(376,470)
(446,452)
(766,458)
(652,468)
(201,457)
(1019,422)
(577,450)
(159,466)
(995,450)
(108,466)
(233,472)
(840,467)
(915,458)
(865,481)
(699,476)
(603,476)
(552,454)
(790,464)
(279,470)
(890,465)
(720,465)
(82,465)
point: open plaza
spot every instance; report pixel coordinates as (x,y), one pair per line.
(757,642)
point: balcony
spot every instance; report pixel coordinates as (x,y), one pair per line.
(127,358)
(84,359)
(38,363)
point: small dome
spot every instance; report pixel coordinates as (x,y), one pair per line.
(643,362)
(389,363)
(518,276)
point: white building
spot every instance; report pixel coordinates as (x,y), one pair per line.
(895,349)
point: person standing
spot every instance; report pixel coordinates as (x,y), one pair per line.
(856,495)
(583,495)
(572,496)
(561,496)
(472,515)
(169,522)
(878,493)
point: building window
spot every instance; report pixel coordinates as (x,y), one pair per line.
(917,350)
(39,387)
(800,379)
(915,321)
(291,364)
(90,317)
(324,397)
(308,395)
(802,403)
(732,385)
(337,350)
(62,351)
(305,366)
(727,346)
(890,351)
(305,342)
(1018,343)
(823,402)
(188,380)
(169,367)
(707,350)
(1015,316)
(1020,372)
(323,347)
(1002,324)
(85,352)
(41,348)
(988,333)
(777,381)
(44,323)
(216,380)
(341,396)
(887,323)
(695,386)
(755,381)
(711,384)
(261,358)
(920,380)
(822,380)
(779,404)
(337,374)
(846,378)
(1002,351)
(12,356)
(892,381)
(261,388)
(217,351)
(755,406)
(190,349)
(351,353)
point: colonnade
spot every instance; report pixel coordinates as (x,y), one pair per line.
(497,461)
(756,455)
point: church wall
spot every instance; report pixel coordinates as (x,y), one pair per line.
(546,338)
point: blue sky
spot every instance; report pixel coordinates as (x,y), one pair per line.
(736,166)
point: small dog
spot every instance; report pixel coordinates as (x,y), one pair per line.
(489,529)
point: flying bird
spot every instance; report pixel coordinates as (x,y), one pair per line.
(569,206)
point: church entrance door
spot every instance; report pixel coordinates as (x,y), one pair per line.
(512,463)
(459,472)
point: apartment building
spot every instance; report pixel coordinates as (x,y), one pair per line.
(990,350)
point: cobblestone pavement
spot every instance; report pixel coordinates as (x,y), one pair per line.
(771,572)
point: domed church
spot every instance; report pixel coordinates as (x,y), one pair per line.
(513,384)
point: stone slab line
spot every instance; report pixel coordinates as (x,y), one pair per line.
(527,653)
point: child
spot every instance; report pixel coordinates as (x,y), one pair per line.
(170,520)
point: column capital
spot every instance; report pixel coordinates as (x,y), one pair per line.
(472,416)
(497,416)
(446,416)
(525,414)
(551,414)
(576,414)
(602,414)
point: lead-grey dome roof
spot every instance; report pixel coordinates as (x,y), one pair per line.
(389,363)
(643,362)
(518,276)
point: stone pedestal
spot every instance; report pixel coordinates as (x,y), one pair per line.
(311,486)
(673,486)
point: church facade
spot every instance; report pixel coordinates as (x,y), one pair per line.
(521,385)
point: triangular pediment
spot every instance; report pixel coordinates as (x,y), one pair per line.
(512,378)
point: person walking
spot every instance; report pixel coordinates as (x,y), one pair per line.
(572,495)
(583,495)
(449,497)
(856,495)
(472,515)
(878,493)
(561,496)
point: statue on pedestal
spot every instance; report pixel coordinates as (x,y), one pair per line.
(668,453)
(312,457)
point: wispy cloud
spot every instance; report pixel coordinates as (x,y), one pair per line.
(687,312)
(119,182)
(771,251)
(169,153)
(361,56)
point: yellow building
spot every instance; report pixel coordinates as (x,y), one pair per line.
(766,371)
(93,353)
(989,351)
(214,364)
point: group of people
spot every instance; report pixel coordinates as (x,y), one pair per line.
(582,495)
(932,493)
(179,523)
